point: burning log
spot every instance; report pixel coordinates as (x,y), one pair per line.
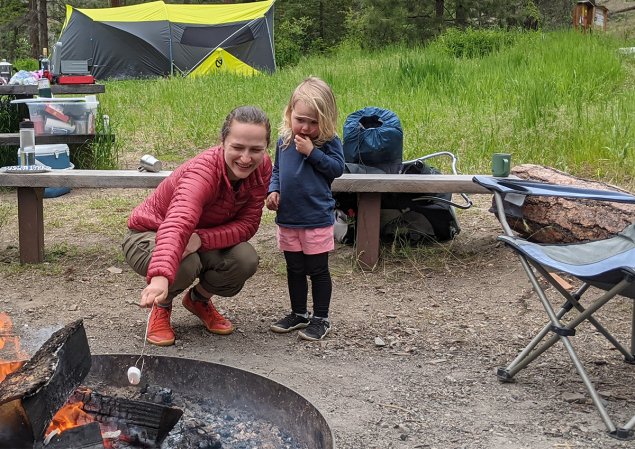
(140,422)
(30,396)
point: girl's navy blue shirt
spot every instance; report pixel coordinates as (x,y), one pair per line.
(304,184)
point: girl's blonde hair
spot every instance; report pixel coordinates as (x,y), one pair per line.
(318,95)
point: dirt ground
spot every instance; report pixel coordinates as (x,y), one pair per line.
(448,316)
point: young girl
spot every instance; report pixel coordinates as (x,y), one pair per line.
(309,156)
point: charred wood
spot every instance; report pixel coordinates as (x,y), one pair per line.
(139,421)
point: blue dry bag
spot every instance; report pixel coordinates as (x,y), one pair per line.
(373,136)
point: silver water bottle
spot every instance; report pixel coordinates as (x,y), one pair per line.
(27,143)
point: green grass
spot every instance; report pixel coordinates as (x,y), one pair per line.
(101,215)
(561,99)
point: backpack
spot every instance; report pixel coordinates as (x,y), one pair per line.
(408,218)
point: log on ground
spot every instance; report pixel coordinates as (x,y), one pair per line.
(562,220)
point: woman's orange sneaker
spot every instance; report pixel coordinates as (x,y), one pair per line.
(207,313)
(160,331)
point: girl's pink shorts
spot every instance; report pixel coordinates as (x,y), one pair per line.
(309,241)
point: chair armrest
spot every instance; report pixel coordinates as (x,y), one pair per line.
(505,186)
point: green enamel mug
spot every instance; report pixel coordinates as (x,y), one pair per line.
(501,163)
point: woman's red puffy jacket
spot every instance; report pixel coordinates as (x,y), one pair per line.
(198,196)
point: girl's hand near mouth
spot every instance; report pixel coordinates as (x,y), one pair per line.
(303,144)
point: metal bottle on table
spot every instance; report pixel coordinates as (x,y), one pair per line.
(27,143)
(44,61)
(44,84)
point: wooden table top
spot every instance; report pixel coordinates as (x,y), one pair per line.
(70,89)
(361,183)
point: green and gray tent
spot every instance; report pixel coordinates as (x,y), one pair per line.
(158,39)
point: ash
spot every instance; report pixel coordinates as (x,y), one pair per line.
(206,426)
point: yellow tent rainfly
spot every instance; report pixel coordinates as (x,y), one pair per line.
(158,39)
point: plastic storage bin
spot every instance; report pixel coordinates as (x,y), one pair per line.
(58,158)
(63,116)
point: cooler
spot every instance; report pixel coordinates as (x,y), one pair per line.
(58,158)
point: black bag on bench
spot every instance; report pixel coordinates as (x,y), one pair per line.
(407,218)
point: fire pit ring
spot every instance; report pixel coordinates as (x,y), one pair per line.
(229,387)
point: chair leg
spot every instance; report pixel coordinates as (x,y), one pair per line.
(626,432)
(530,353)
(563,333)
(573,300)
(595,397)
(622,434)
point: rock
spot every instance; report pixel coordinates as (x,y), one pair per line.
(379,342)
(561,220)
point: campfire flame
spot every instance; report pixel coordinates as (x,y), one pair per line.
(10,344)
(69,416)
(7,368)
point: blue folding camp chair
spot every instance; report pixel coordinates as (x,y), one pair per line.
(607,264)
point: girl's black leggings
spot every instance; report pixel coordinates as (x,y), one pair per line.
(316,266)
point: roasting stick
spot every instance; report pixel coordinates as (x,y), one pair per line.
(134,372)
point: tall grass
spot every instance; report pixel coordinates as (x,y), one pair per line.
(560,99)
(103,152)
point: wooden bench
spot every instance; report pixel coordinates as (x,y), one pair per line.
(368,187)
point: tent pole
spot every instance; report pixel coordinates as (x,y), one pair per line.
(169,39)
(171,55)
(271,33)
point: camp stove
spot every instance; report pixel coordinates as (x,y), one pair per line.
(73,71)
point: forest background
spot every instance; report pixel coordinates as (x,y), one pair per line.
(307,27)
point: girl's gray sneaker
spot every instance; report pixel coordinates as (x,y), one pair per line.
(290,323)
(317,329)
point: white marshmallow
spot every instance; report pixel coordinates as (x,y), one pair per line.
(134,375)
